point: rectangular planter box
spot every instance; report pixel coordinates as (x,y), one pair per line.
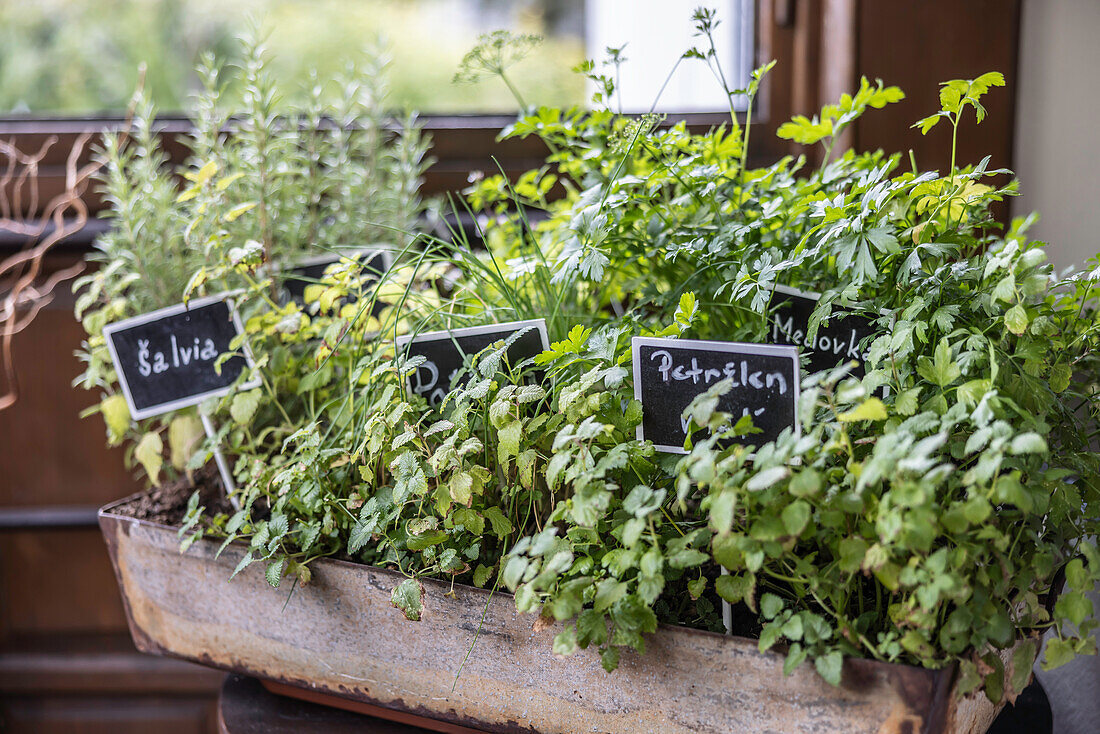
(339,635)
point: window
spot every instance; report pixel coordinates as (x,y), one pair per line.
(653,34)
(82,56)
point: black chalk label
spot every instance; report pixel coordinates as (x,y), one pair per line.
(445,352)
(841,341)
(670,373)
(165,359)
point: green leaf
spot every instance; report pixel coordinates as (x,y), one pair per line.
(995,681)
(202,175)
(1023,658)
(686,310)
(796,655)
(1008,489)
(316,379)
(1005,290)
(482,574)
(1060,376)
(972,391)
(502,526)
(727,552)
(408,596)
(633,614)
(274,571)
(906,402)
(426,540)
(721,509)
(830,666)
(227,181)
(360,536)
(795,517)
(1016,319)
(770,606)
(736,588)
(565,642)
(871,409)
(508,439)
(245,562)
(514,568)
(1058,652)
(469,519)
(942,369)
(766,478)
(686,558)
(244,406)
(608,592)
(1073,606)
(643,500)
(969,678)
(149,454)
(184,434)
(927,123)
(1077,576)
(792,628)
(769,635)
(461,488)
(116,414)
(609,658)
(1028,443)
(852,552)
(976,510)
(806,483)
(591,628)
(237,211)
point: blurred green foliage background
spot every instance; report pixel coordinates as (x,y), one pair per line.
(82,56)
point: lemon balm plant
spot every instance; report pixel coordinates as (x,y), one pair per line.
(926,513)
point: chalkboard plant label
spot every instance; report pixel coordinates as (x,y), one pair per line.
(307,271)
(166,359)
(842,340)
(445,352)
(670,373)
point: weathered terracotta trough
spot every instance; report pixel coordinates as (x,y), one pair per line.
(339,635)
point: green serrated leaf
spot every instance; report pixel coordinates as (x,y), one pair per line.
(408,596)
(274,571)
(501,525)
(482,574)
(1058,652)
(1060,376)
(770,606)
